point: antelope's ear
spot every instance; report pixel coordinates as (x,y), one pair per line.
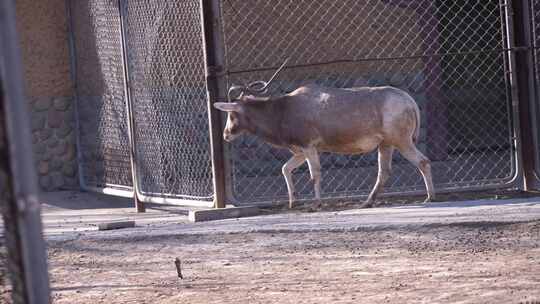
(228,106)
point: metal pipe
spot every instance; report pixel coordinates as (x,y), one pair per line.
(528,108)
(73,73)
(216,90)
(139,204)
(514,87)
(521,92)
(23,200)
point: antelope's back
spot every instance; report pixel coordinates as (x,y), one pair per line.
(335,117)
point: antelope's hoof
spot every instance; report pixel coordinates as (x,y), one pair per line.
(429,199)
(317,206)
(367,204)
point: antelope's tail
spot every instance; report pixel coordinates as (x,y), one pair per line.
(416,134)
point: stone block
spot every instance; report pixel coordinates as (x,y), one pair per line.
(60,149)
(55,164)
(42,104)
(46,155)
(116,225)
(220,214)
(45,134)
(71,152)
(62,103)
(64,131)
(43,168)
(39,149)
(45,182)
(69,117)
(57,180)
(38,121)
(55,118)
(52,142)
(35,139)
(69,169)
(71,182)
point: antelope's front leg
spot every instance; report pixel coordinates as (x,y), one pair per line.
(290,165)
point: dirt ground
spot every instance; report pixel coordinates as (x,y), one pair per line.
(466,263)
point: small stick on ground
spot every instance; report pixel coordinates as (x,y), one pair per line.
(178,268)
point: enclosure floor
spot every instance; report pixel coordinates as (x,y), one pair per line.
(486,263)
(484,251)
(68,213)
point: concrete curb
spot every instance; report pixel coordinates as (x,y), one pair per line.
(221,214)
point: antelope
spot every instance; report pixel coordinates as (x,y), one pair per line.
(314,119)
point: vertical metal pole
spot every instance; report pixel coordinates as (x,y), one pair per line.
(139,204)
(215,85)
(20,197)
(75,88)
(514,85)
(519,33)
(534,82)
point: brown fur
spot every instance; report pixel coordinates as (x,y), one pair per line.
(314,119)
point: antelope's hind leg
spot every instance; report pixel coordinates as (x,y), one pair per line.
(385,167)
(312,157)
(412,154)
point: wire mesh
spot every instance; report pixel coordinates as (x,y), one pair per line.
(535,27)
(103,132)
(168,92)
(4,288)
(449,55)
(12,280)
(11,268)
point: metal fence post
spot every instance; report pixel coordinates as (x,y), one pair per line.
(215,85)
(524,84)
(19,201)
(515,89)
(139,204)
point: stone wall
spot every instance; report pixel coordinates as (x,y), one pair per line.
(43,36)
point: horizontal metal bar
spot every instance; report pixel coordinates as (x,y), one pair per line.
(110,191)
(152,197)
(510,185)
(503,183)
(423,56)
(174,201)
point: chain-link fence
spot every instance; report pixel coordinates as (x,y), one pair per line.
(164,79)
(534,9)
(168,92)
(451,56)
(104,159)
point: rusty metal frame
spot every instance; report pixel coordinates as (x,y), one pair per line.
(22,201)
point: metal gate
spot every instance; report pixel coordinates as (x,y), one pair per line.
(141,62)
(141,73)
(104,158)
(451,56)
(168,93)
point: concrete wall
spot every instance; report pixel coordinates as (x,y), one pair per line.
(43,33)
